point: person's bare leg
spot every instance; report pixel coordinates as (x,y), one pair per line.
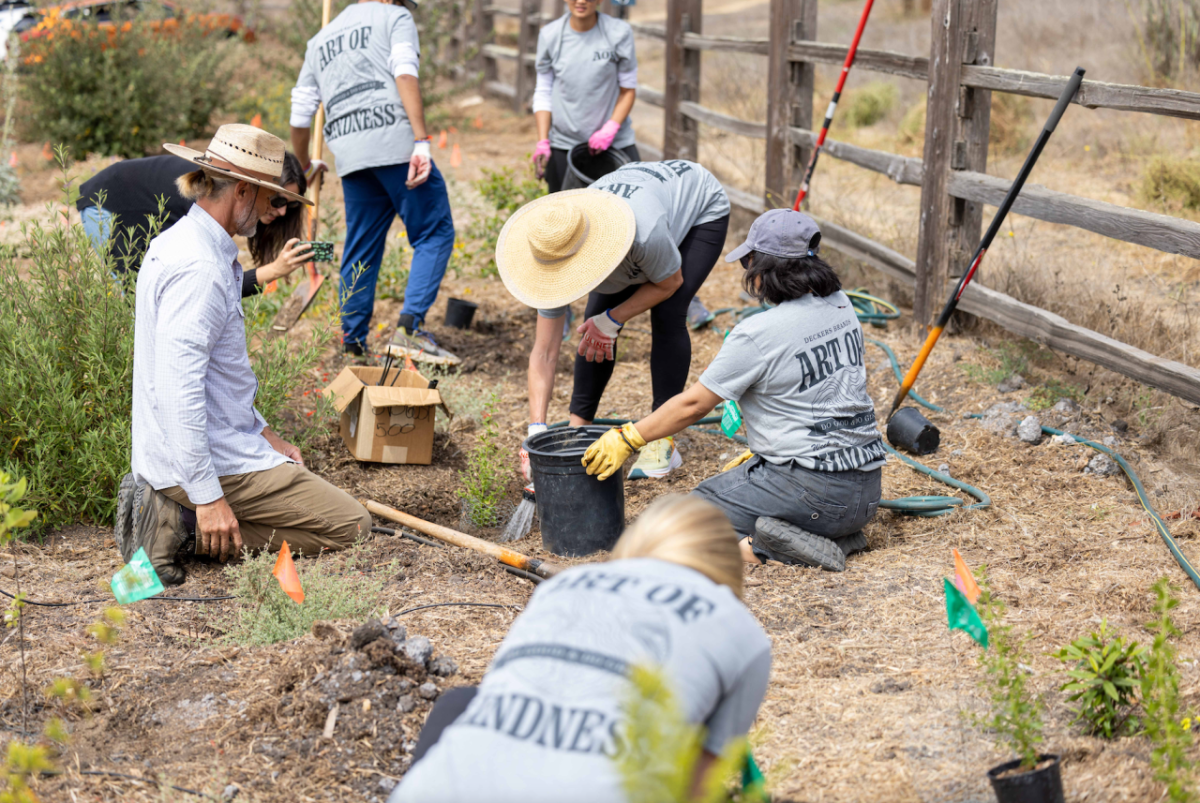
(747,551)
(576,421)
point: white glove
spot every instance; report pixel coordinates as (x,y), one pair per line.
(599,337)
(524,455)
(314,167)
(419,164)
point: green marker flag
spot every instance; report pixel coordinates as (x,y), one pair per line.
(137,579)
(962,616)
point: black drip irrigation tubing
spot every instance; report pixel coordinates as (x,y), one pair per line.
(460,604)
(106,599)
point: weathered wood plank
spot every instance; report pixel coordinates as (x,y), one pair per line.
(744,200)
(724,122)
(900,169)
(485,36)
(648,152)
(680,132)
(502,89)
(649,31)
(884,61)
(646,94)
(1092,94)
(789,96)
(1165,233)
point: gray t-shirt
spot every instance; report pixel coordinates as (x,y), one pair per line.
(797,372)
(668,199)
(545,724)
(585,67)
(347,63)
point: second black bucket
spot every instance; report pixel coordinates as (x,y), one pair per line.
(913,432)
(584,167)
(459,313)
(579,514)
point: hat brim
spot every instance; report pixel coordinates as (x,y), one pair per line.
(739,252)
(611,228)
(194,156)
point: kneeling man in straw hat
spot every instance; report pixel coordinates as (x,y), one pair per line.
(209,475)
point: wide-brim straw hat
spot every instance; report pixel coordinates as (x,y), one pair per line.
(559,247)
(242,152)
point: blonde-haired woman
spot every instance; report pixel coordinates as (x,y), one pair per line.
(551,700)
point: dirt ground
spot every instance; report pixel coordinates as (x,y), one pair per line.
(868,689)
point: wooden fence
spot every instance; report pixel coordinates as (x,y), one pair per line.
(952,175)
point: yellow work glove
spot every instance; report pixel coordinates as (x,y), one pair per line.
(605,457)
(737,461)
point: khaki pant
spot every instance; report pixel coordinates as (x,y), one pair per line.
(289,503)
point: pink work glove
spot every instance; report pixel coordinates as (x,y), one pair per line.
(602,139)
(419,164)
(599,336)
(541,155)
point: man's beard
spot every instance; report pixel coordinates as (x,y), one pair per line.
(248,227)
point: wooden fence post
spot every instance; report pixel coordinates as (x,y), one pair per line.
(789,97)
(527,36)
(484,34)
(681,134)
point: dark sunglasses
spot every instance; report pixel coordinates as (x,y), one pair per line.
(279,202)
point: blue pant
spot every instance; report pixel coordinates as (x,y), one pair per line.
(374,196)
(97,225)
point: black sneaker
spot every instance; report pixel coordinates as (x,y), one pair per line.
(355,349)
(790,544)
(852,543)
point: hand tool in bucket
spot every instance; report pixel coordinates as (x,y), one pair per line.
(506,556)
(911,377)
(298,303)
(837,94)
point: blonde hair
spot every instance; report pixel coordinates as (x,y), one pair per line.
(200,184)
(688,531)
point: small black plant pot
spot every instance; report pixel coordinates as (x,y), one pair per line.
(459,313)
(1037,786)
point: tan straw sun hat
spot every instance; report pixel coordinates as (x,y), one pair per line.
(560,247)
(242,152)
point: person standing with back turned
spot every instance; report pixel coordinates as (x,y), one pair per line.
(363,66)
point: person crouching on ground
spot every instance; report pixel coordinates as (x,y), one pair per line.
(811,478)
(206,467)
(545,724)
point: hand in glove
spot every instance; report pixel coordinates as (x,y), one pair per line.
(419,164)
(524,455)
(599,337)
(605,457)
(737,461)
(541,155)
(602,140)
(314,167)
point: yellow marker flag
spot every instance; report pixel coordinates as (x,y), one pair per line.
(964,581)
(285,573)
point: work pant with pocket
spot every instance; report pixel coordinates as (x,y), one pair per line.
(670,341)
(374,197)
(556,166)
(288,503)
(832,504)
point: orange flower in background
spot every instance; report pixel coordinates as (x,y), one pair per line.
(126,27)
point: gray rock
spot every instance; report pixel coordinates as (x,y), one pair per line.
(945,469)
(1003,418)
(1030,429)
(365,633)
(428,691)
(406,704)
(230,792)
(443,666)
(1111,442)
(1102,466)
(1066,407)
(1013,383)
(956,453)
(398,633)
(356,676)
(418,649)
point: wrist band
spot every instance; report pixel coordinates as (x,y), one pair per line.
(608,314)
(621,432)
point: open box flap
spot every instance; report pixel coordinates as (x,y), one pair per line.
(343,389)
(379,397)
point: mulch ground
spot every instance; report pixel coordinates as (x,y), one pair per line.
(870,695)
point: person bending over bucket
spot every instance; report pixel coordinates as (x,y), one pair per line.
(643,238)
(811,478)
(546,722)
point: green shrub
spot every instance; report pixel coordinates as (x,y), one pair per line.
(1160,697)
(870,103)
(1172,183)
(506,193)
(1016,713)
(486,479)
(125,90)
(1106,678)
(341,585)
(271,99)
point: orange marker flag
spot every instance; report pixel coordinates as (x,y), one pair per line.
(442,139)
(256,120)
(408,364)
(182,144)
(47,153)
(479,121)
(12,160)
(285,573)
(963,579)
(453,130)
(456,157)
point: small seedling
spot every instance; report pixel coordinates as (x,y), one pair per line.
(1106,679)
(1160,697)
(486,479)
(1016,713)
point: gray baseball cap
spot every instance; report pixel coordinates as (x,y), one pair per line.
(780,233)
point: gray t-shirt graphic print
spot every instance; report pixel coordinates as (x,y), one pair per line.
(347,63)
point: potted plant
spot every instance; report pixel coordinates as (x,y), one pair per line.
(1015,715)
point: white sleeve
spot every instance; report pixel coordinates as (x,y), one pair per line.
(404,59)
(627,79)
(306,97)
(543,92)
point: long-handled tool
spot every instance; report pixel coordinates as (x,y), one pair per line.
(506,556)
(911,377)
(837,93)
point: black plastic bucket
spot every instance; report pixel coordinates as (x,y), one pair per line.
(459,313)
(1038,786)
(579,514)
(913,432)
(584,167)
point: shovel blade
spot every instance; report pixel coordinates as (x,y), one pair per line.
(297,303)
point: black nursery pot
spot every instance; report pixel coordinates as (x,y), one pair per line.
(913,432)
(459,313)
(1038,786)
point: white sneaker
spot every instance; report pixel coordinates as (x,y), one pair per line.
(656,459)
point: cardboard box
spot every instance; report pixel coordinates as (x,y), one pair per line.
(391,423)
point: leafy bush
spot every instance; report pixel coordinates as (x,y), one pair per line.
(870,103)
(486,478)
(506,193)
(1160,697)
(1172,183)
(124,90)
(341,585)
(1016,713)
(271,99)
(1106,678)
